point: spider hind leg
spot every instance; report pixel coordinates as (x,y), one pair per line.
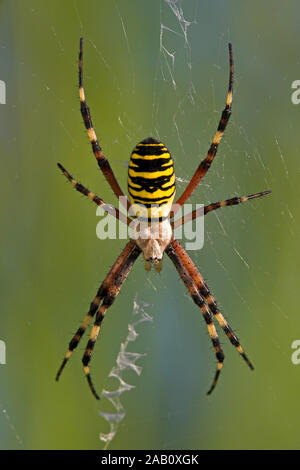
(127,258)
(200,302)
(195,283)
(210,300)
(106,294)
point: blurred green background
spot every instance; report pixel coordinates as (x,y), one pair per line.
(151,68)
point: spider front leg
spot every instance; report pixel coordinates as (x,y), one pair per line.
(199,301)
(97,150)
(198,280)
(206,163)
(96,199)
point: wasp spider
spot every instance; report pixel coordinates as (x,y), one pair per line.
(151,184)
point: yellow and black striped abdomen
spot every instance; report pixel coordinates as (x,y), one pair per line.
(151,179)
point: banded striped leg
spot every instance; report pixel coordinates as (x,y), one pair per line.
(204,291)
(233,201)
(111,293)
(80,332)
(198,299)
(216,205)
(96,199)
(111,278)
(205,164)
(101,160)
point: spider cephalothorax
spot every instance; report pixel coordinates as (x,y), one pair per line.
(152,238)
(151,186)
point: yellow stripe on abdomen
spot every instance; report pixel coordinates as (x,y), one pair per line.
(151,179)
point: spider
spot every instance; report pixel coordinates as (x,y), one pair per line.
(151,185)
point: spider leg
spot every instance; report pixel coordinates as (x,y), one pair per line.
(216,205)
(110,293)
(211,302)
(97,150)
(110,279)
(199,301)
(205,164)
(233,201)
(93,197)
(80,332)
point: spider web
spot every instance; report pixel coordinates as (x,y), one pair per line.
(176,100)
(125,361)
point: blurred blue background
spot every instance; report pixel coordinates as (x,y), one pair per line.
(151,68)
